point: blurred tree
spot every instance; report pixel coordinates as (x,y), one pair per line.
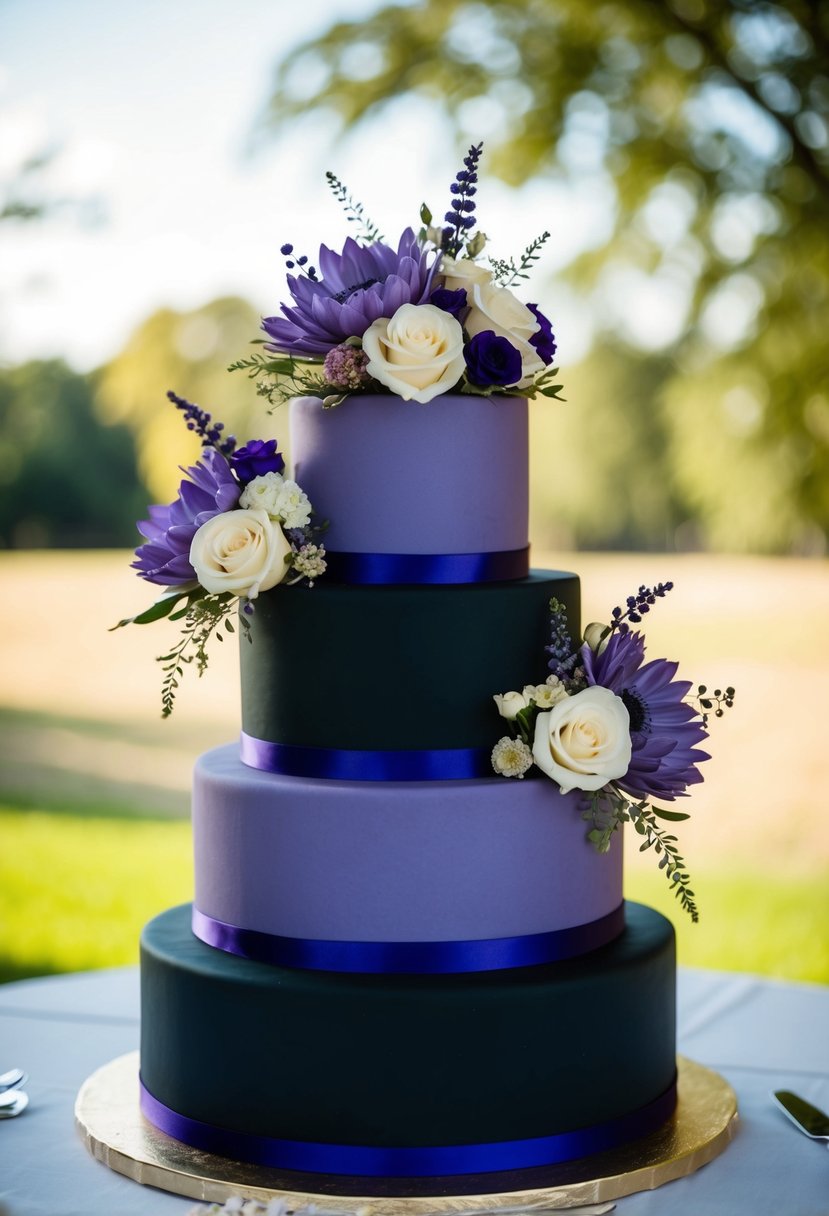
(188,352)
(65,480)
(706,122)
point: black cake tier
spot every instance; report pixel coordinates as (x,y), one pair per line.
(395,668)
(277,1066)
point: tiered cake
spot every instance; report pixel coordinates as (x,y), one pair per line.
(399,964)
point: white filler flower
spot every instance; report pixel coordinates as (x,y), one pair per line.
(511,757)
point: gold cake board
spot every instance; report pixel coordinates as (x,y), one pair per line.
(109,1119)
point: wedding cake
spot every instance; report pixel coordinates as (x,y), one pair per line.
(408,955)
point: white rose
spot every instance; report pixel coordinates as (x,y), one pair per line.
(262,493)
(510,703)
(584,741)
(463,272)
(242,552)
(418,354)
(496,308)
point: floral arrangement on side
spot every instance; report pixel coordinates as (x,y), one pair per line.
(622,730)
(425,318)
(237,527)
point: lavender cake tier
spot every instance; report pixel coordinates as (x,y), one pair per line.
(454,861)
(401,477)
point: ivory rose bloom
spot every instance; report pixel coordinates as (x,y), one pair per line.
(418,354)
(242,552)
(463,272)
(497,309)
(584,741)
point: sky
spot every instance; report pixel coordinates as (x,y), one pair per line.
(152,110)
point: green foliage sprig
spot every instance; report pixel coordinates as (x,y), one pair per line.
(610,808)
(507,273)
(280,377)
(204,616)
(354,210)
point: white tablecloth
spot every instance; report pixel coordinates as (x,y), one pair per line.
(761,1035)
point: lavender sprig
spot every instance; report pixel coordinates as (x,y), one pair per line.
(460,219)
(706,701)
(638,606)
(201,422)
(561,647)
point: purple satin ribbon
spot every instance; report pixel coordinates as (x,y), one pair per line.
(389,568)
(409,958)
(431,1162)
(334,763)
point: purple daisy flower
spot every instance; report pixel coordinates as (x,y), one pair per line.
(359,285)
(169,532)
(664,729)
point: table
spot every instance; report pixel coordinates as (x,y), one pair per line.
(760,1034)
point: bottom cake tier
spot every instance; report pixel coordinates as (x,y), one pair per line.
(402,1075)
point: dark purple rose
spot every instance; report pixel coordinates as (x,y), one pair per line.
(256,458)
(453,302)
(492,361)
(358,286)
(543,341)
(210,489)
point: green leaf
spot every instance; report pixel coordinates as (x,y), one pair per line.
(425,215)
(673,816)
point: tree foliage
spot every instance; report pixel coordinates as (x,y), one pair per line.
(707,121)
(65,480)
(188,352)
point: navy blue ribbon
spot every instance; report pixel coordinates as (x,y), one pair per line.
(369,1161)
(409,958)
(334,763)
(379,568)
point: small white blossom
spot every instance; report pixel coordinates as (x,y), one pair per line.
(293,506)
(511,757)
(597,636)
(550,693)
(262,493)
(281,498)
(309,561)
(509,703)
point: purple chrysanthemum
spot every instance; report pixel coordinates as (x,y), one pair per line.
(169,532)
(664,729)
(357,286)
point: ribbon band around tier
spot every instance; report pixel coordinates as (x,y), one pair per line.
(409,958)
(334,763)
(421,1162)
(389,568)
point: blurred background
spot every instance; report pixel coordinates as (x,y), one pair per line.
(154,157)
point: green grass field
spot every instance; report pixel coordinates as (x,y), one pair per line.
(90,883)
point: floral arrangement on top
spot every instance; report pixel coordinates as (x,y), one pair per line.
(618,728)
(237,527)
(421,320)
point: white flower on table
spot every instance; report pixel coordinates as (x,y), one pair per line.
(511,757)
(583,742)
(418,353)
(241,552)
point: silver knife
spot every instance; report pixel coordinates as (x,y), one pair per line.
(809,1119)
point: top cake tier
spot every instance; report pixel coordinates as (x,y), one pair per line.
(434,492)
